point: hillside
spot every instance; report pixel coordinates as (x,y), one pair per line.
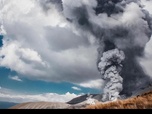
(143,101)
(41,105)
(83,98)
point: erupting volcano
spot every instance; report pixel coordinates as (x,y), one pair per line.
(122,29)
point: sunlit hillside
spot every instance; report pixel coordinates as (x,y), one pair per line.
(143,101)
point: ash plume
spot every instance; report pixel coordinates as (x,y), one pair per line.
(110,67)
(122,29)
(46,4)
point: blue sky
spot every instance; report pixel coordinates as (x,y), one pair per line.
(27,87)
(41,53)
(38,87)
(1,42)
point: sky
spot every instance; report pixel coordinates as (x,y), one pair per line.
(12,84)
(40,54)
(45,58)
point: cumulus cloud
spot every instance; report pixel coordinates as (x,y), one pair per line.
(2,30)
(76,88)
(44,45)
(15,78)
(24,60)
(7,95)
(147,5)
(146,61)
(95,84)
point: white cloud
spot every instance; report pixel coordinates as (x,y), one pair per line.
(94,84)
(44,46)
(147,5)
(11,96)
(24,59)
(16,78)
(76,88)
(146,61)
(2,30)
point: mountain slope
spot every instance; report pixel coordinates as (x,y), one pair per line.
(41,105)
(83,98)
(143,101)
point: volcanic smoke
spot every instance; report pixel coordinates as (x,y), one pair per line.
(122,29)
(110,67)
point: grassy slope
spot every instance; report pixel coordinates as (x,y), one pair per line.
(143,101)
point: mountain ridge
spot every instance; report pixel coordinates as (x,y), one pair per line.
(140,100)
